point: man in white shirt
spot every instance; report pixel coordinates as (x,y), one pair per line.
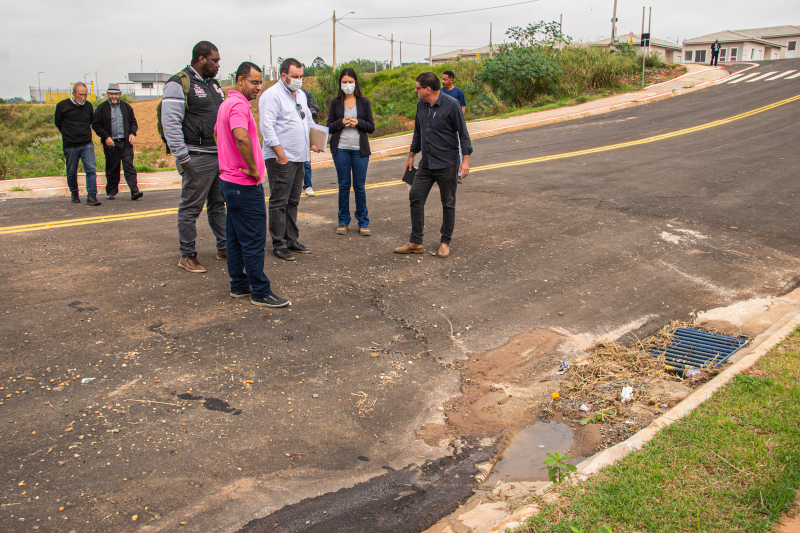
(285,121)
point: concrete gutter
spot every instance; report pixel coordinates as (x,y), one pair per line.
(698,77)
(494,517)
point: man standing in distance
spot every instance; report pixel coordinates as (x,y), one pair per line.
(115,124)
(241,167)
(74,120)
(715,52)
(285,121)
(439,130)
(188,118)
(449,88)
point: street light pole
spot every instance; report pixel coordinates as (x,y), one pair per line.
(392,52)
(39,95)
(270,57)
(614,24)
(334,41)
(430,47)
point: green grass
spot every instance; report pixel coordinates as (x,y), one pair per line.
(19,188)
(731,465)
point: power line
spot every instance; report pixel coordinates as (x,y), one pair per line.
(442,14)
(404,42)
(301,31)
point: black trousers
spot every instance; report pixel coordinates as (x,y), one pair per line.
(121,152)
(420,188)
(714,58)
(285,188)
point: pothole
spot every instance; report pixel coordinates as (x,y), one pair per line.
(523,458)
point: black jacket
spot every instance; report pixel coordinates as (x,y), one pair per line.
(202,104)
(101,124)
(366,124)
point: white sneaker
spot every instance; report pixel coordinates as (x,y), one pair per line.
(309,191)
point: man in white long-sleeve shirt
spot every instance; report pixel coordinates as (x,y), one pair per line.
(284,121)
(188,118)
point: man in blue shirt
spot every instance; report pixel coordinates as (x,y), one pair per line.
(449,88)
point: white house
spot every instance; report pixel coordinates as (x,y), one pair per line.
(755,44)
(148,85)
(669,52)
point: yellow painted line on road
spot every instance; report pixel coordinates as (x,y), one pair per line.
(161,212)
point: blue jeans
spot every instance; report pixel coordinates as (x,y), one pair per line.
(307,175)
(246,232)
(351,168)
(73,156)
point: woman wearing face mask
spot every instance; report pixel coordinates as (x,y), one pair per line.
(349,122)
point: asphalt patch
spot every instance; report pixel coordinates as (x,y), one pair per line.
(399,501)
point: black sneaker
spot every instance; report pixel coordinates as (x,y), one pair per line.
(299,248)
(111,196)
(92,200)
(76,198)
(283,253)
(271,301)
(136,195)
(242,294)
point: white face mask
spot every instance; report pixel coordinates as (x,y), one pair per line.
(294,84)
(348,88)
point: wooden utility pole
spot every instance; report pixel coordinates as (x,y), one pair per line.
(642,47)
(270,57)
(649,24)
(614,24)
(401,53)
(391,36)
(334,41)
(491,50)
(560,30)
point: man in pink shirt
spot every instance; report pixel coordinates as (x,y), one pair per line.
(241,175)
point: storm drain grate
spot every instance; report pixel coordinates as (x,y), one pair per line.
(694,348)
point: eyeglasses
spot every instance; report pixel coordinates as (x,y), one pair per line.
(419,88)
(300,110)
(257,83)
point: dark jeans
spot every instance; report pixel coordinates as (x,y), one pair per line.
(121,152)
(714,58)
(351,169)
(199,186)
(307,175)
(285,188)
(423,181)
(246,230)
(86,155)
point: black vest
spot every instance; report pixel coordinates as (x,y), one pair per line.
(202,104)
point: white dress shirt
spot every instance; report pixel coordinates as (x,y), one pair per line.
(280,123)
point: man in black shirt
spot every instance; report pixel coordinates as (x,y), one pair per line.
(74,120)
(439,130)
(115,123)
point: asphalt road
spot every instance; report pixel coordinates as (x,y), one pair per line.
(212,412)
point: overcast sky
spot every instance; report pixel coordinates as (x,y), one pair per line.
(69,39)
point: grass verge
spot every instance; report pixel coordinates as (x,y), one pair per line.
(733,464)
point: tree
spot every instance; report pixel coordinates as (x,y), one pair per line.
(542,33)
(318,62)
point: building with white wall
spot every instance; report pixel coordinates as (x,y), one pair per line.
(755,44)
(669,52)
(148,85)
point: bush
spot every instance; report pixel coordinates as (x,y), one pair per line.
(519,74)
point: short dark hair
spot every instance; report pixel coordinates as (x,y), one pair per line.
(289,62)
(429,80)
(202,49)
(245,68)
(449,73)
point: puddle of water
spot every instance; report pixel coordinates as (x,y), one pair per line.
(524,458)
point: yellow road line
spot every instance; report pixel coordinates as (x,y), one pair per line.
(160,212)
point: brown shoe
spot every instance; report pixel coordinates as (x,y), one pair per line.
(365,231)
(222,254)
(409,248)
(444,251)
(341,230)
(191,264)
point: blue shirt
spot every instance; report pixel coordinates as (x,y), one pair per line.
(456,93)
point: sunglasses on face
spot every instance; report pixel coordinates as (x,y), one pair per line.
(300,109)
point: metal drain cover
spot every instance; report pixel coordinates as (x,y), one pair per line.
(694,348)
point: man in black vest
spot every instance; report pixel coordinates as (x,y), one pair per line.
(188,119)
(115,124)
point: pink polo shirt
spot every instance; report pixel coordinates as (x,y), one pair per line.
(235,113)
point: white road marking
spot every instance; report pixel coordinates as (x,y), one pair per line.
(782,74)
(761,77)
(726,80)
(745,77)
(793,76)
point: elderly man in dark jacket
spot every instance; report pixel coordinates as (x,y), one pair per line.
(115,124)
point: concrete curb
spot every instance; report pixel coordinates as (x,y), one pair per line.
(762,344)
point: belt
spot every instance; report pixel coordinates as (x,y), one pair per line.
(195,152)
